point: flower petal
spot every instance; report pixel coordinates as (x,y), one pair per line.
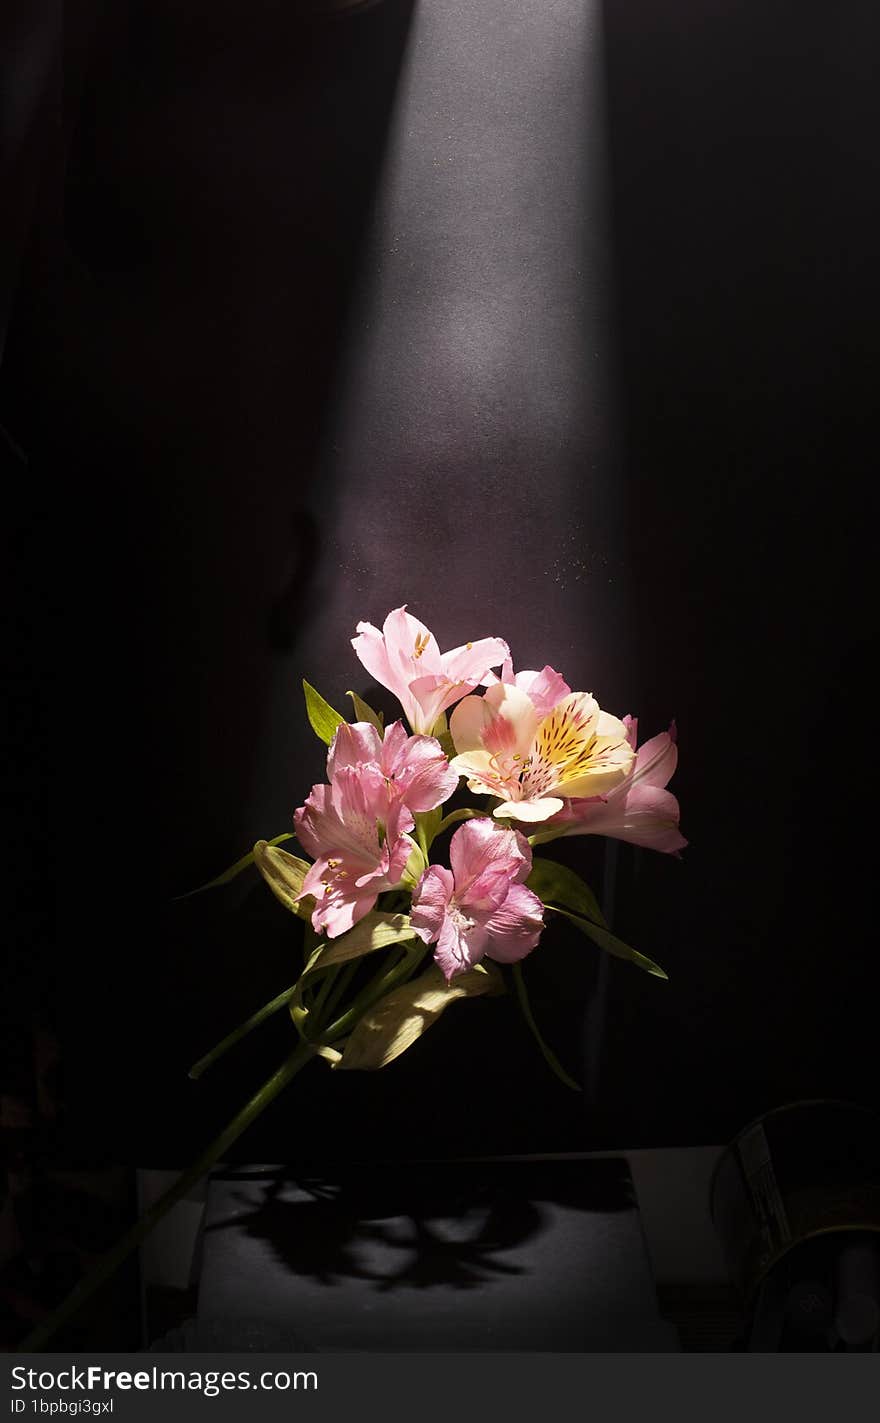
(459,946)
(545,689)
(373,654)
(647,815)
(335,914)
(403,651)
(430,901)
(423,777)
(315,820)
(632,729)
(468,722)
(471,662)
(656,760)
(481,770)
(516,926)
(394,745)
(353,745)
(486,859)
(431,695)
(412,648)
(493,735)
(338,903)
(579,750)
(528,811)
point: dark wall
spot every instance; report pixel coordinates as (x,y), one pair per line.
(579,354)
(744,180)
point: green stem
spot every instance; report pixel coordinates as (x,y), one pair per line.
(421,838)
(110,1262)
(241,1031)
(342,983)
(330,978)
(375,989)
(456,815)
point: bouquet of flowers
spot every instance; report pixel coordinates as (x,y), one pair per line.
(393,935)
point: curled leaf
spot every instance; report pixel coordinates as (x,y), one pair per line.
(376,930)
(234,870)
(404,1014)
(284,874)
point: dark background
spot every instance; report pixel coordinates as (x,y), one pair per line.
(583,356)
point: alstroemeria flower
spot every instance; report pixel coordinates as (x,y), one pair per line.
(640,809)
(535,762)
(356,830)
(416,766)
(545,689)
(480,906)
(405,658)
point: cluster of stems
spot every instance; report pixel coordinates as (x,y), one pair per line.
(323,1026)
(328,1020)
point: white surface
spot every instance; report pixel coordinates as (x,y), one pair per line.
(168,1254)
(671,1185)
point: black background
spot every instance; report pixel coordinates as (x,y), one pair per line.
(190,234)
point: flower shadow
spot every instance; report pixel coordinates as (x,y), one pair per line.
(454,1226)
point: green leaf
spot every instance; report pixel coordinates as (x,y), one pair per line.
(364,712)
(611,944)
(550,1056)
(233,870)
(403,1015)
(284,874)
(557,884)
(374,932)
(324,720)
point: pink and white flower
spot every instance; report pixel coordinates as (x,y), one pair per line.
(405,658)
(416,766)
(639,809)
(356,830)
(545,689)
(357,826)
(533,760)
(481,906)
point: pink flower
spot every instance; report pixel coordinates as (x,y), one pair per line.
(356,827)
(533,760)
(480,906)
(416,766)
(545,689)
(356,830)
(639,810)
(405,658)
